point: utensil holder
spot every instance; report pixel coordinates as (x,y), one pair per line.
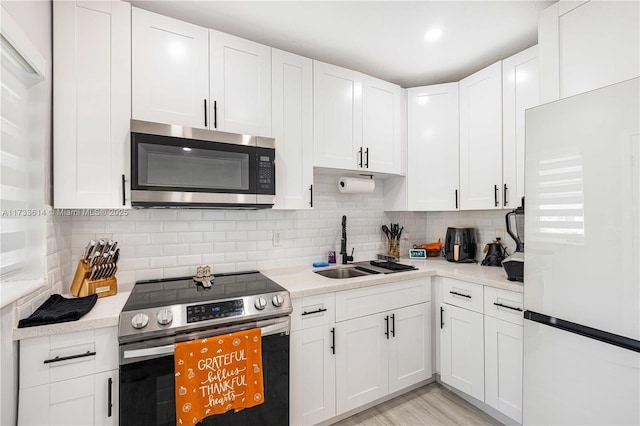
(82,286)
(393,248)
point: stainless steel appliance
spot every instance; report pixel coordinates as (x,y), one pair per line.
(160,313)
(514,264)
(460,245)
(582,274)
(174,166)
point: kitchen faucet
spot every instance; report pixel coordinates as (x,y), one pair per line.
(343,243)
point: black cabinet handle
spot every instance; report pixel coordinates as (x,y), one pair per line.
(205,113)
(504,195)
(441,317)
(333,341)
(124,199)
(360,154)
(366,164)
(460,294)
(110,401)
(495,195)
(317,311)
(311,196)
(386,321)
(456,198)
(215,114)
(393,325)
(508,307)
(65,358)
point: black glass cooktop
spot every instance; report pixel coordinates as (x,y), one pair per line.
(175,291)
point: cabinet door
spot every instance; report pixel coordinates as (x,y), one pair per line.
(170,70)
(337,117)
(462,350)
(575,54)
(433,148)
(240,85)
(410,346)
(362,362)
(481,139)
(313,375)
(381,126)
(503,366)
(292,128)
(520,90)
(92,104)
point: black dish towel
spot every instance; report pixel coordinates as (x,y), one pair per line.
(59,309)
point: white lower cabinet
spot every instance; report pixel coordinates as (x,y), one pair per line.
(462,350)
(69,379)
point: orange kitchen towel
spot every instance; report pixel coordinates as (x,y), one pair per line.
(217,374)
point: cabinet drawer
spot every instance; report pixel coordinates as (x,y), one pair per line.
(370,300)
(463,294)
(313,311)
(503,304)
(50,359)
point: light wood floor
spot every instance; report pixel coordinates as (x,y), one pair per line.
(432,404)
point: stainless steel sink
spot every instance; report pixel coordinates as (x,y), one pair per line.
(341,273)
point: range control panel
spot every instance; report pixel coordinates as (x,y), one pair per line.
(215,310)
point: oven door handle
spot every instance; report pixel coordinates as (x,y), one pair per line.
(158,350)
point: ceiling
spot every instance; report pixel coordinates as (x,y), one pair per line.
(385,39)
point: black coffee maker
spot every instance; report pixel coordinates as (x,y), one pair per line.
(460,245)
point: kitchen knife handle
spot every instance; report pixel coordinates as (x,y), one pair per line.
(456,199)
(311,196)
(386,321)
(110,396)
(455,293)
(65,358)
(441,317)
(124,199)
(506,306)
(333,341)
(393,325)
(360,154)
(317,311)
(205,112)
(504,195)
(366,164)
(495,195)
(215,114)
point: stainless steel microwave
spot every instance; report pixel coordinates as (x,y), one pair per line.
(175,166)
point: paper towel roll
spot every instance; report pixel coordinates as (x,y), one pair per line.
(349,185)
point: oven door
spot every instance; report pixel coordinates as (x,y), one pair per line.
(147,395)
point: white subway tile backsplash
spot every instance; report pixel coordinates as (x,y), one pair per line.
(163,262)
(191,259)
(120,227)
(222,225)
(174,249)
(201,225)
(135,239)
(213,215)
(164,238)
(146,250)
(148,274)
(176,226)
(200,248)
(163,214)
(149,226)
(189,214)
(190,237)
(214,236)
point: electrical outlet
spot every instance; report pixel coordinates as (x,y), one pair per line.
(277,238)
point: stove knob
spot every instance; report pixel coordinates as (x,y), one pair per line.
(277,300)
(260,303)
(164,316)
(139,321)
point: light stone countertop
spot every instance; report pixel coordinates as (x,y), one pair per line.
(104,314)
(301,282)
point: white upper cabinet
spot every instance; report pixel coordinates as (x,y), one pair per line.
(433,147)
(170,60)
(292,128)
(381,126)
(520,91)
(481,139)
(585,46)
(337,116)
(240,85)
(92,104)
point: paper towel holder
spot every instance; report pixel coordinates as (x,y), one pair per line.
(364,174)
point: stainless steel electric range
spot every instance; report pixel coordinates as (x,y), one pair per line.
(160,313)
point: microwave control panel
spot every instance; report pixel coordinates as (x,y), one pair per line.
(266,171)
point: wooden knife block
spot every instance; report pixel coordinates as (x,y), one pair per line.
(82,286)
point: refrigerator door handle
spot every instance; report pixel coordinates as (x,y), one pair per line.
(583,330)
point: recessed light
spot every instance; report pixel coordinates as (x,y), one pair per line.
(186,148)
(433,34)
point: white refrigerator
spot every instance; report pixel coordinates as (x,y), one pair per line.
(582,260)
